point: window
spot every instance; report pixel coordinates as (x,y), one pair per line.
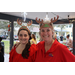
(71,34)
(67,26)
(70,26)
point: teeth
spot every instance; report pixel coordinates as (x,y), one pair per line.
(23,40)
(45,36)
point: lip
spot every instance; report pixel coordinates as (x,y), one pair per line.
(46,36)
(23,39)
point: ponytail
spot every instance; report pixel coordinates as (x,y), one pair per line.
(25,53)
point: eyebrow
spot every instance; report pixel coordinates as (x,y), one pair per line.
(23,34)
(46,29)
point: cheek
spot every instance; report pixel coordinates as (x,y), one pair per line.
(41,34)
(27,38)
(52,33)
(19,37)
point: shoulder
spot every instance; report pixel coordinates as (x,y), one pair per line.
(61,45)
(12,50)
(65,54)
(32,39)
(33,46)
(40,43)
(62,48)
(11,54)
(70,39)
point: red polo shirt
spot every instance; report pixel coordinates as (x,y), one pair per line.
(57,53)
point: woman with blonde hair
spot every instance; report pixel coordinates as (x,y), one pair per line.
(50,50)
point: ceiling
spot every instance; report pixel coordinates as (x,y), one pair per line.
(42,15)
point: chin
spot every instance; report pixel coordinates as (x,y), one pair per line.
(23,42)
(46,40)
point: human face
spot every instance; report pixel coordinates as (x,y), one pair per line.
(46,33)
(23,36)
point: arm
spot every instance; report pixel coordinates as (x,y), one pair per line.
(70,43)
(11,54)
(66,55)
(10,57)
(33,51)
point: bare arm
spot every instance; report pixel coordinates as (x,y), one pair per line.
(70,43)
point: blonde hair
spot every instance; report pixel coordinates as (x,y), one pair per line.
(47,21)
(55,36)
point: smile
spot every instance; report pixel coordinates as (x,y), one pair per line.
(45,36)
(23,39)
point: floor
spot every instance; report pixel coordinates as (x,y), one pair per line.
(6,57)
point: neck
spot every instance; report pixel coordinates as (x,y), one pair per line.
(20,48)
(22,45)
(49,43)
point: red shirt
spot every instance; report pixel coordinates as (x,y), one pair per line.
(15,57)
(57,53)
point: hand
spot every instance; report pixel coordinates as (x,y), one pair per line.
(16,45)
(33,42)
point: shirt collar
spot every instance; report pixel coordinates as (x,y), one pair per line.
(53,47)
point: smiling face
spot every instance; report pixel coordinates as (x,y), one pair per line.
(23,37)
(46,33)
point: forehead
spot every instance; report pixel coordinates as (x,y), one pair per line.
(45,28)
(23,32)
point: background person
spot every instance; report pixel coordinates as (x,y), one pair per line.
(61,39)
(1,51)
(69,43)
(33,40)
(55,37)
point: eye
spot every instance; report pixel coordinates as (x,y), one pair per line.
(51,24)
(20,34)
(48,30)
(42,30)
(25,35)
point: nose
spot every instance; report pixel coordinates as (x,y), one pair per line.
(45,32)
(23,37)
